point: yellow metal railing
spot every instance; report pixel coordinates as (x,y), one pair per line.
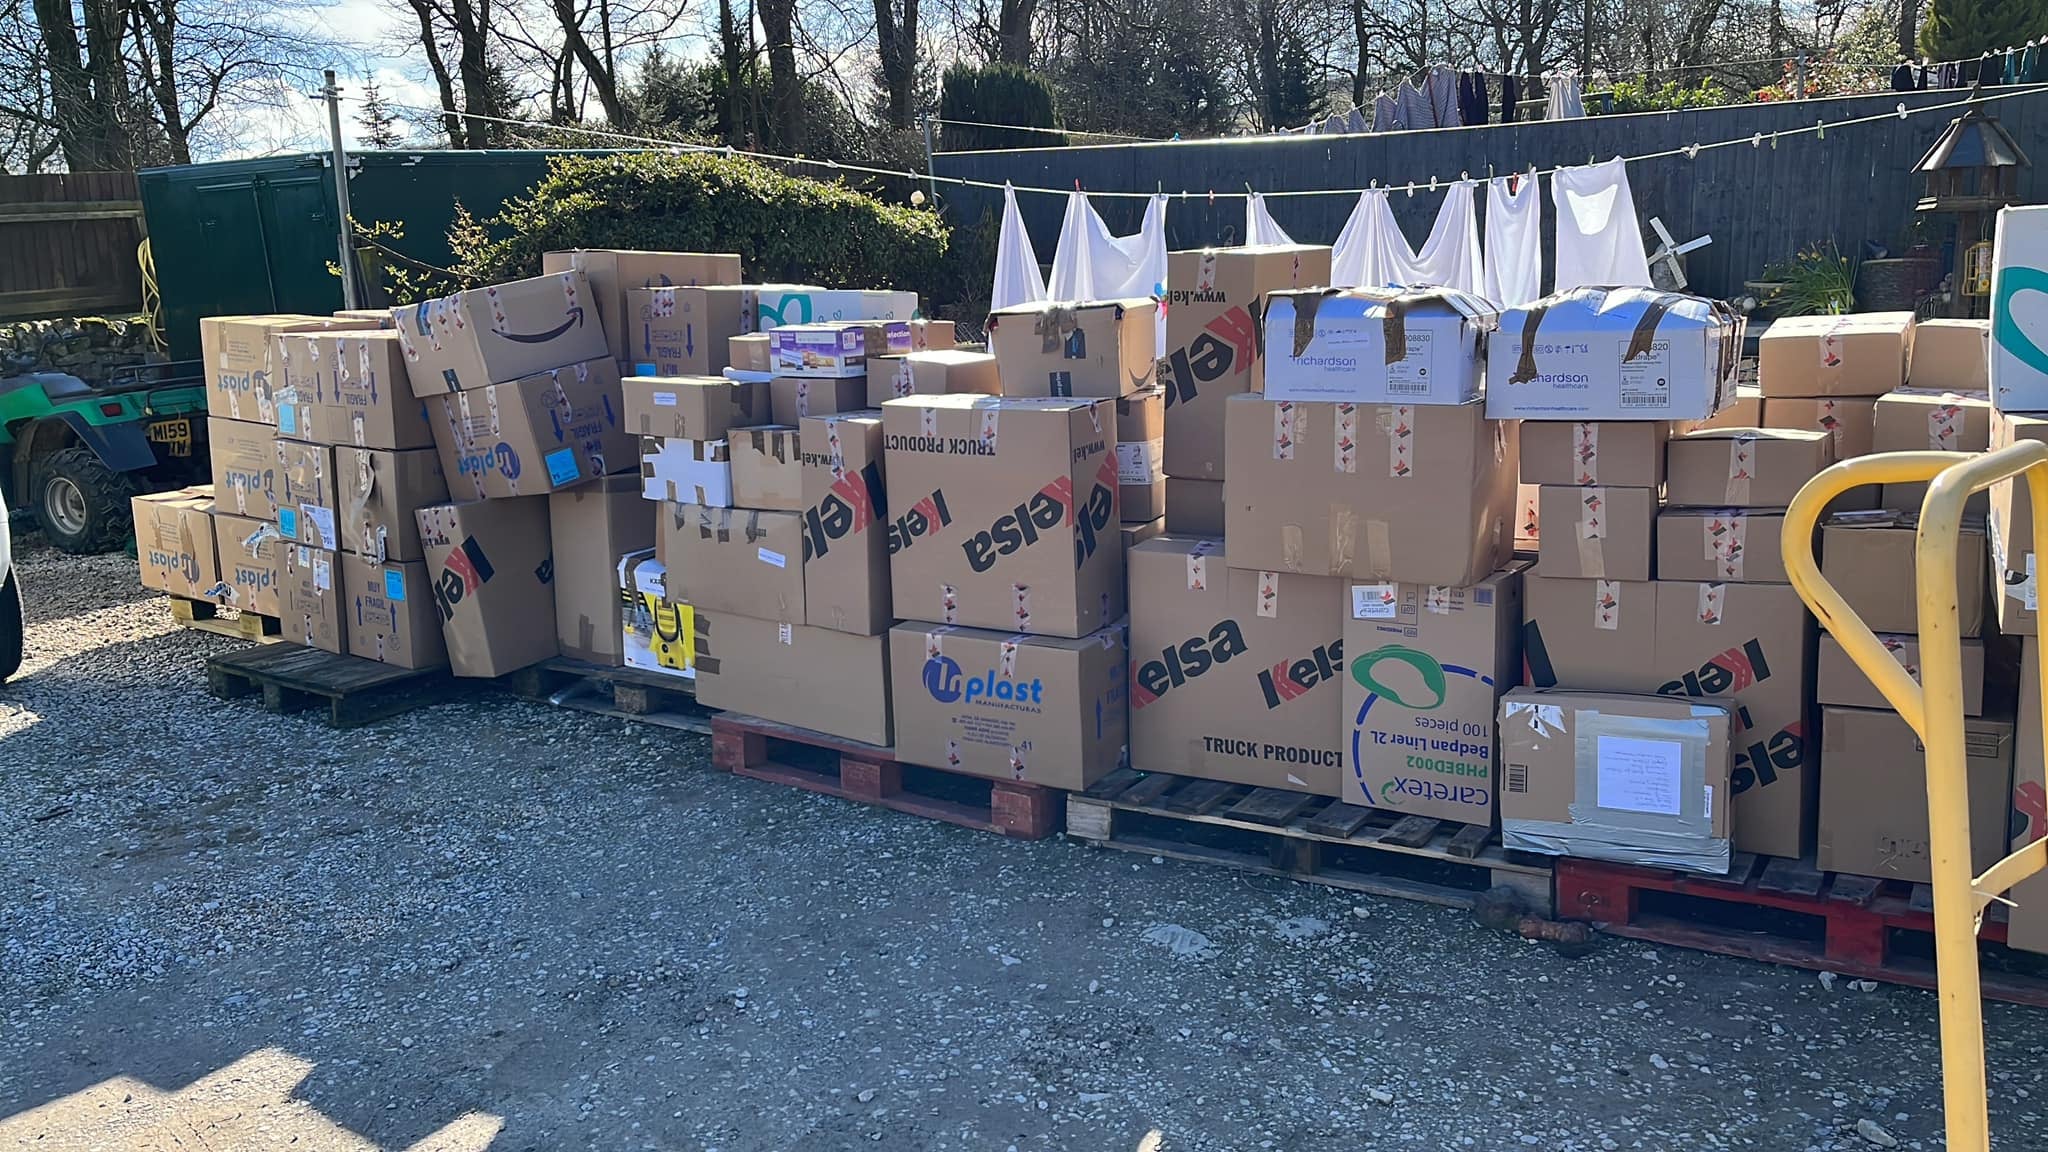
(1934,708)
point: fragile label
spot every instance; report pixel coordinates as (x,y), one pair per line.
(1375,601)
(1586,452)
(1606,604)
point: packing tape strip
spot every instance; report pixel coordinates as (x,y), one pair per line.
(906,380)
(1198,567)
(953,753)
(1437,599)
(1347,438)
(1592,531)
(1400,441)
(1379,547)
(1586,452)
(1713,602)
(1205,270)
(1726,536)
(1943,427)
(1021,595)
(1006,660)
(933,646)
(949,604)
(803,397)
(1269,595)
(1286,427)
(1606,605)
(928,421)
(1532,519)
(1896,647)
(989,428)
(1830,348)
(1016,762)
(1741,469)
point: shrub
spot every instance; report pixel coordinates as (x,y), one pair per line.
(983,94)
(1642,96)
(1817,281)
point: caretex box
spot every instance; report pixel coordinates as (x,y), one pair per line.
(1613,354)
(533,435)
(1377,345)
(1040,709)
(1004,513)
(501,333)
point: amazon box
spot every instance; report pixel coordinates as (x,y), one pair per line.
(1950,356)
(830,682)
(243,366)
(1215,341)
(1747,411)
(1921,420)
(311,598)
(686,471)
(349,388)
(1841,682)
(1743,467)
(1140,446)
(1037,709)
(1613,354)
(592,526)
(1420,494)
(1427,665)
(379,492)
(1730,545)
(791,398)
(1633,779)
(782,304)
(1004,513)
(1873,799)
(493,573)
(1235,674)
(692,407)
(500,334)
(1194,507)
(615,273)
(933,373)
(392,619)
(1850,420)
(2011,531)
(767,468)
(1102,349)
(1377,345)
(535,435)
(1869,558)
(174,541)
(659,634)
(846,525)
(1615,453)
(1594,634)
(1859,354)
(306,502)
(245,479)
(750,353)
(251,559)
(735,560)
(686,331)
(1602,532)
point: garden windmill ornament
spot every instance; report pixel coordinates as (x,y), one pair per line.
(1667,271)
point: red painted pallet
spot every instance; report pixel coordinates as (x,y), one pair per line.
(800,758)
(1788,912)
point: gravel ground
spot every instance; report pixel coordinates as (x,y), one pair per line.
(492,924)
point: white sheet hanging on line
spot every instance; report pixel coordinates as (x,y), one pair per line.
(1514,241)
(1598,240)
(1371,252)
(1259,227)
(1091,264)
(1563,101)
(1450,257)
(1018,279)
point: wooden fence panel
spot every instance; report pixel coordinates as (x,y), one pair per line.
(67,244)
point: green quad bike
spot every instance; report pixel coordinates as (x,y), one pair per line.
(72,453)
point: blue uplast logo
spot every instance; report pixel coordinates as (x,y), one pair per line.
(948,684)
(501,459)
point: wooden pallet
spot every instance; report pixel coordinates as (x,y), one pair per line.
(1276,832)
(607,690)
(206,616)
(354,691)
(1789,912)
(798,757)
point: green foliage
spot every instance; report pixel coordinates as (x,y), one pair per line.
(981,94)
(1157,70)
(1296,96)
(785,228)
(1960,29)
(1637,95)
(1819,281)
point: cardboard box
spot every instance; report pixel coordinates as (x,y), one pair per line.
(686,471)
(493,571)
(1101,349)
(392,618)
(1850,420)
(1729,545)
(615,273)
(1751,644)
(657,634)
(1036,709)
(310,598)
(1594,634)
(1140,456)
(1747,411)
(251,555)
(791,398)
(1613,354)
(378,492)
(2010,527)
(1873,797)
(933,336)
(802,304)
(349,388)
(245,480)
(1633,779)
(934,373)
(846,525)
(1420,494)
(2019,262)
(2027,920)
(1528,519)
(832,349)
(816,678)
(1005,513)
(1950,356)
(750,353)
(736,560)
(767,468)
(1214,340)
(500,334)
(1377,345)
(175,547)
(1860,354)
(1869,558)
(1427,667)
(375,317)
(1743,467)
(531,436)
(692,407)
(1603,532)
(1839,681)
(307,506)
(1194,507)
(1136,534)
(1917,420)
(1234,674)
(239,355)
(1617,453)
(591,527)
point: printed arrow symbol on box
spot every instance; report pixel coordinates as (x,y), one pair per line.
(689,339)
(574,320)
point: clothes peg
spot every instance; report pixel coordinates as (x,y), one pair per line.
(1820,129)
(1756,139)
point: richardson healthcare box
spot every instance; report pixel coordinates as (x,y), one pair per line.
(1613,354)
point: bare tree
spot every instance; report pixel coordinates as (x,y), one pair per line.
(896,39)
(194,58)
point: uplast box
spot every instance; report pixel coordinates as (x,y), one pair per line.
(349,388)
(531,436)
(499,334)
(1004,512)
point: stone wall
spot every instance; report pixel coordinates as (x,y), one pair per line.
(88,347)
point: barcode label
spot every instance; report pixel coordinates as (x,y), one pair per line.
(1407,387)
(1518,777)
